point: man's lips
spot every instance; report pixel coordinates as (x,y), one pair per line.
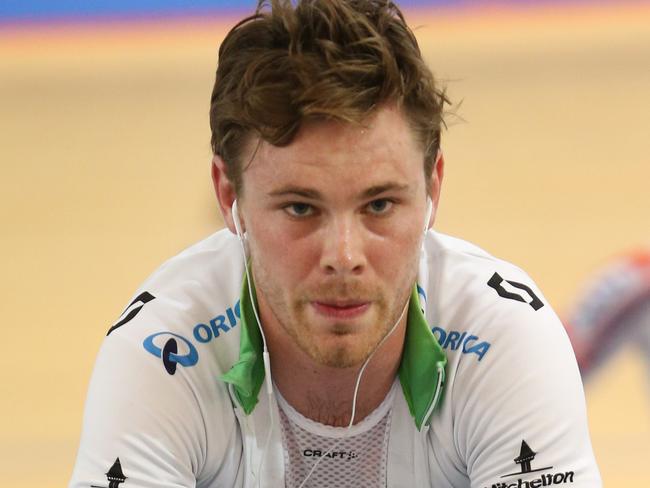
(340,309)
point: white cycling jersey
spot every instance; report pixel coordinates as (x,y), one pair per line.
(176,397)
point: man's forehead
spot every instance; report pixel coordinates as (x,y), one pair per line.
(338,161)
(382,138)
(388,117)
(355,174)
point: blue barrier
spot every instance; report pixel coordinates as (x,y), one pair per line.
(49,10)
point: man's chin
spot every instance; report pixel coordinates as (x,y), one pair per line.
(339,356)
(340,359)
(338,344)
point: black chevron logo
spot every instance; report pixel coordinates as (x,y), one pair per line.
(496,282)
(132,310)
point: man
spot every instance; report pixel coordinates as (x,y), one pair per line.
(308,344)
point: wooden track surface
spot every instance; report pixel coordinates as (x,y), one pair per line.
(105,173)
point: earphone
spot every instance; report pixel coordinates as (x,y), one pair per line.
(428,217)
(356,390)
(265,352)
(242,241)
(234,211)
(267,363)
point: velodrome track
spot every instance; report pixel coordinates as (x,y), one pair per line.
(105,173)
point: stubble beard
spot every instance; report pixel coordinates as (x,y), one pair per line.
(340,350)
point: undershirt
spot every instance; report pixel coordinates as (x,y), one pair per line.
(358,455)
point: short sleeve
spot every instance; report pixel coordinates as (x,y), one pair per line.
(521,415)
(146,426)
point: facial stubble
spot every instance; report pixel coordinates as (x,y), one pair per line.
(345,346)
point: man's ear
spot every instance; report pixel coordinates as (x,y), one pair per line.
(435,184)
(224,190)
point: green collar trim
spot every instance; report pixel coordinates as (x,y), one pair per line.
(423,360)
(422,370)
(247,374)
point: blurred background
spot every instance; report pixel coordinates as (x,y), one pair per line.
(105,156)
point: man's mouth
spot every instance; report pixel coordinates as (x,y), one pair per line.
(341,309)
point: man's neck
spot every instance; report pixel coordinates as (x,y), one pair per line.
(325,394)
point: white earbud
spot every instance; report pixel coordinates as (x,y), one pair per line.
(235,218)
(428,217)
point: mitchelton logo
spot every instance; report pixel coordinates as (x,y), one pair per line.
(525,458)
(114,476)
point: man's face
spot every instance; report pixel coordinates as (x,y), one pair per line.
(335,222)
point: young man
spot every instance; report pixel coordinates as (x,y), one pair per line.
(327,337)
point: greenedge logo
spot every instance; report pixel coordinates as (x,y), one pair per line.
(526,455)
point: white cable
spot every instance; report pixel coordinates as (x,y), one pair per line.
(267,360)
(240,235)
(436,395)
(356,391)
(265,352)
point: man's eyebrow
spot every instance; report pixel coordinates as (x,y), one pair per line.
(296,191)
(312,194)
(373,191)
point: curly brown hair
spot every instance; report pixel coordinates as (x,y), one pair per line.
(319,59)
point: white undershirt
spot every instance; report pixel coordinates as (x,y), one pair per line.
(358,455)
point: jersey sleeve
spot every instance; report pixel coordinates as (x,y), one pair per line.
(520,413)
(146,428)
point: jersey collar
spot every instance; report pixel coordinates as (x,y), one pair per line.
(421,371)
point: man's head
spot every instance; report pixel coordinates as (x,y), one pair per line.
(326,127)
(318,60)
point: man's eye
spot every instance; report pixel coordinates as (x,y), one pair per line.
(380,206)
(299,209)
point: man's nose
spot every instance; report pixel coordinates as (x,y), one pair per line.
(343,246)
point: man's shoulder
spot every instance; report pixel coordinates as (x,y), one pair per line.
(451,255)
(154,392)
(187,313)
(460,272)
(213,261)
(498,332)
(477,299)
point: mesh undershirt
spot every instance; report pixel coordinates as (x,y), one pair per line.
(358,457)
